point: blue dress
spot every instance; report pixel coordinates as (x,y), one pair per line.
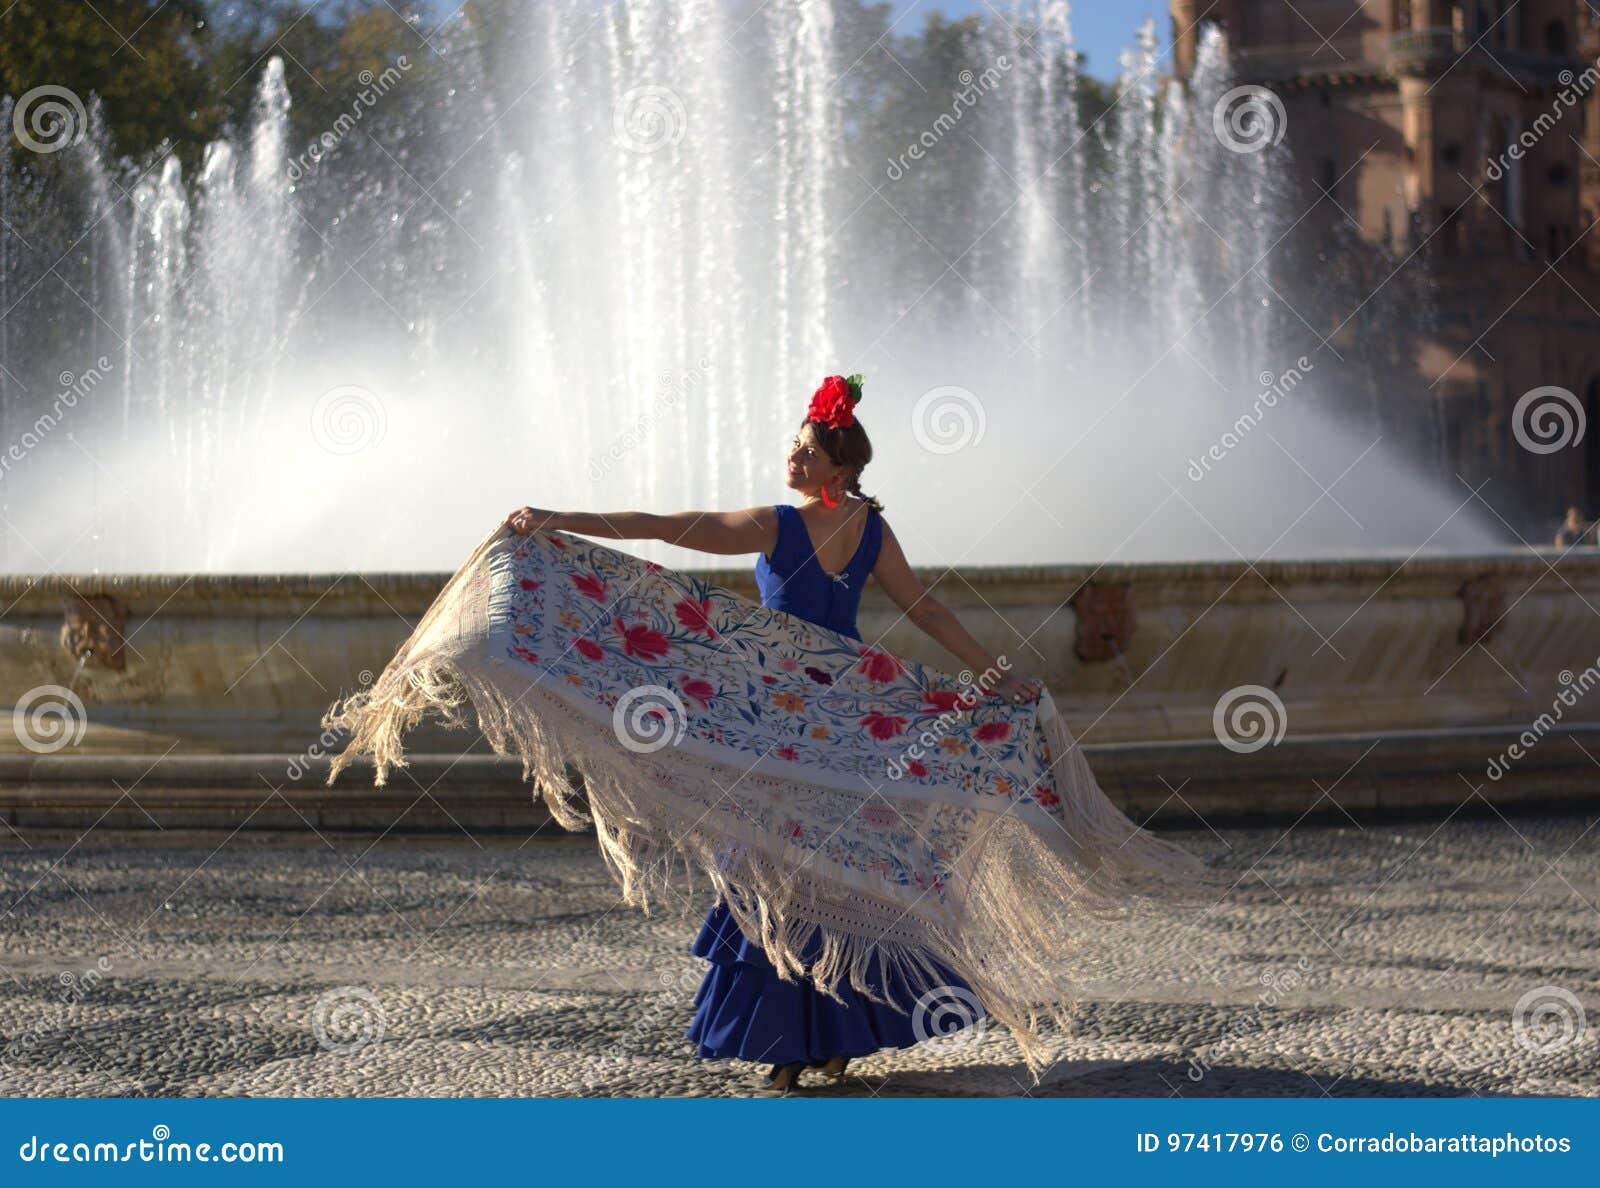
(743,1008)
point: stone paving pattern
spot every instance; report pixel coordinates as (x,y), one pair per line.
(1347,961)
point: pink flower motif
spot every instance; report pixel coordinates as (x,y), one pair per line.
(770,680)
(788,665)
(884,726)
(529,584)
(589,649)
(879,666)
(697,690)
(530,656)
(940,701)
(590,586)
(652,567)
(793,828)
(994,732)
(695,615)
(1046,797)
(641,641)
(917,769)
(786,753)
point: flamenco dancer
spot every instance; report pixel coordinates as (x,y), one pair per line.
(815,559)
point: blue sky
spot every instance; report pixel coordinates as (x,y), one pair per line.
(1101,28)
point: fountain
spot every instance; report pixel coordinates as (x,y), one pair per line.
(604,265)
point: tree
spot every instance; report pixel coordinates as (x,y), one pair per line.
(144,58)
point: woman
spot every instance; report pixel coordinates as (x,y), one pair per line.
(1575,530)
(815,559)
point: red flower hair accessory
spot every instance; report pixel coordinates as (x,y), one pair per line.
(833,404)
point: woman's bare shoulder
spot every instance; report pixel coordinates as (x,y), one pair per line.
(766,515)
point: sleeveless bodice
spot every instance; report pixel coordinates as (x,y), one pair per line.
(793,580)
(744,1008)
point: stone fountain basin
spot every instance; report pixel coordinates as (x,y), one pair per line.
(1401,678)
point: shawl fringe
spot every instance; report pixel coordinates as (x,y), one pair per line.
(1029,899)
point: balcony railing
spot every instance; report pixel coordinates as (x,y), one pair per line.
(1387,53)
(1302,57)
(1427,43)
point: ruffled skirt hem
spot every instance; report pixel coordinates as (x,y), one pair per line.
(744,1010)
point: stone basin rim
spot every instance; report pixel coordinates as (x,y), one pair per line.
(1533,562)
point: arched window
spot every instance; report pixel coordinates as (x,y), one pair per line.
(1449,236)
(1498,189)
(1330,176)
(1591,452)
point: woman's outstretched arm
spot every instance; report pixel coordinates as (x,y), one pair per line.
(752,530)
(906,591)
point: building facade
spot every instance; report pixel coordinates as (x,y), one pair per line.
(1463,138)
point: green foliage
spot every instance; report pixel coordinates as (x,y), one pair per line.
(146,60)
(325,50)
(186,70)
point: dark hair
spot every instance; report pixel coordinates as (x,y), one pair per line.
(848,447)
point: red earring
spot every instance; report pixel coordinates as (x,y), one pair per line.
(828,501)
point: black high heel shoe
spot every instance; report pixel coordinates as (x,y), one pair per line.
(781,1078)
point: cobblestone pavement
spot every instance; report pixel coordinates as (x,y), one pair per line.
(1430,958)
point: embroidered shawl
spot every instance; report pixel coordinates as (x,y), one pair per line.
(826,788)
